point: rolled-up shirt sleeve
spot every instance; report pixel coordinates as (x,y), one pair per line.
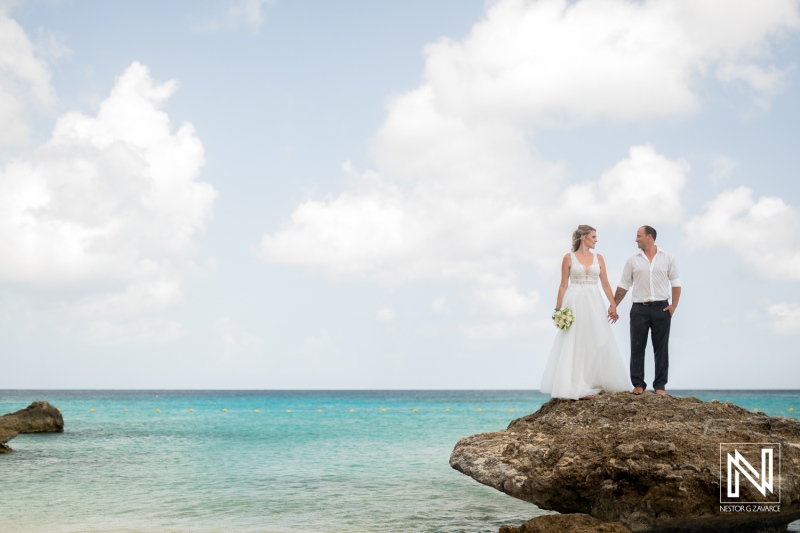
(674,274)
(626,280)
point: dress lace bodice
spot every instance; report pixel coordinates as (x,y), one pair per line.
(580,275)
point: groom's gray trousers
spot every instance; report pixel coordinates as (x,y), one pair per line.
(650,317)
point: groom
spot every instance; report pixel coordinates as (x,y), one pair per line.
(651,272)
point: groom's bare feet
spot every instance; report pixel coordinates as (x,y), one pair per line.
(638,390)
(661,392)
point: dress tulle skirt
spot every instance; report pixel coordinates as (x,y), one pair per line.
(585,359)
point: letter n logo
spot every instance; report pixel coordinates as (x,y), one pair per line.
(748,472)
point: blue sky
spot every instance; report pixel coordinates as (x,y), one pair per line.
(254,194)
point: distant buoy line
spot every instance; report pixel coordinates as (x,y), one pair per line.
(351,410)
(381,410)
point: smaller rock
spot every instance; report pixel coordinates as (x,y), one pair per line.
(574,523)
(38,417)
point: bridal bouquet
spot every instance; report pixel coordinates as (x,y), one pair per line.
(563,318)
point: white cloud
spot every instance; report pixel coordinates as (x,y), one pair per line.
(784,318)
(243,13)
(145,296)
(554,59)
(763,233)
(645,186)
(445,228)
(24,82)
(386,315)
(110,205)
(458,192)
(765,82)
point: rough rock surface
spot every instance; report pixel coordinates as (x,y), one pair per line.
(5,436)
(38,417)
(650,462)
(573,523)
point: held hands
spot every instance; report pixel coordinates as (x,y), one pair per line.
(612,314)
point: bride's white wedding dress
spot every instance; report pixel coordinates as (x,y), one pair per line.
(585,359)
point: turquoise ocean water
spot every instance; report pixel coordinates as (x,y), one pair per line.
(365,470)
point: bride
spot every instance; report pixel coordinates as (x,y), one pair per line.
(585,359)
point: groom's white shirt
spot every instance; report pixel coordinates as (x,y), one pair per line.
(652,281)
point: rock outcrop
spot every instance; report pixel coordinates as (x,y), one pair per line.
(649,462)
(572,523)
(38,417)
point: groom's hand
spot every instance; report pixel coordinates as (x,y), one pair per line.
(670,308)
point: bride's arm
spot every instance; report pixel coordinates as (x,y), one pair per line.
(612,309)
(565,264)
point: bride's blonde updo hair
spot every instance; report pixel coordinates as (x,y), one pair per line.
(583,229)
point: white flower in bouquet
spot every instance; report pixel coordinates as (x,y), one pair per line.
(563,318)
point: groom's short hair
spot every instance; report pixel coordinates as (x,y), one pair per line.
(650,230)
